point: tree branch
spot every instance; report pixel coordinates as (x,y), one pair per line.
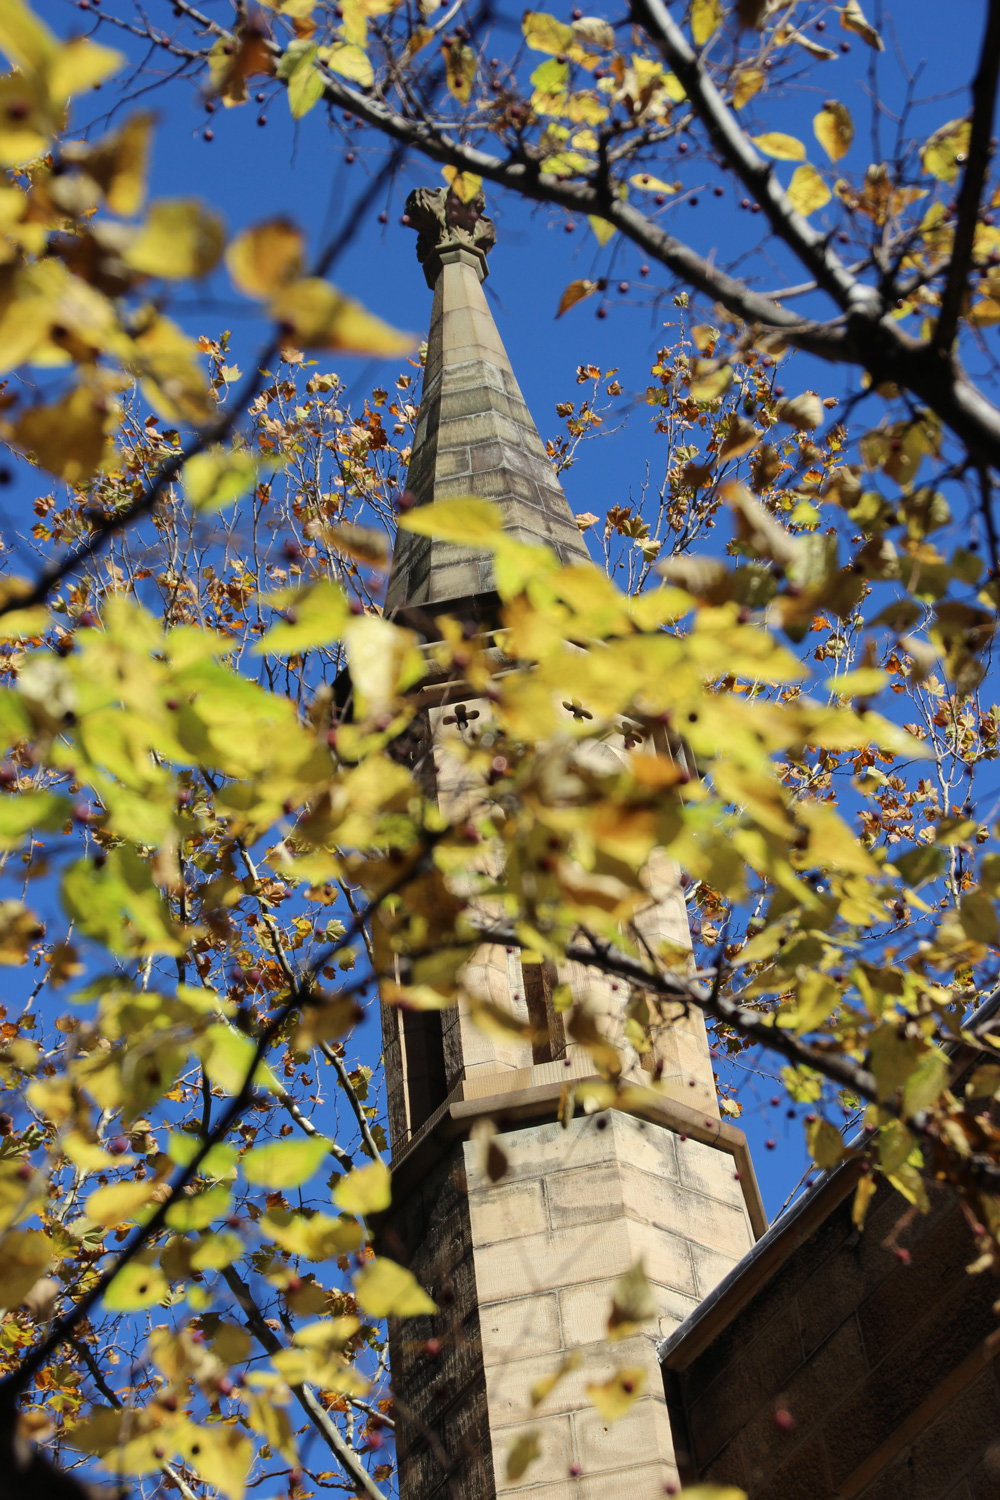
(737,151)
(304,1394)
(984,99)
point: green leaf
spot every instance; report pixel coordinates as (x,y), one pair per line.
(386,1290)
(27,811)
(305,88)
(137,1285)
(365,1191)
(199,1210)
(315,616)
(218,478)
(282,1164)
(925,1084)
(118,904)
(228,1057)
(219,1161)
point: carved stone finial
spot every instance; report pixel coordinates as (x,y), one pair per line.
(448,229)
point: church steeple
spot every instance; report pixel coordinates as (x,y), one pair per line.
(475,435)
(523,1259)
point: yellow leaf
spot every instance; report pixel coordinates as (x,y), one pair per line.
(167,364)
(546,1384)
(926,1083)
(709,381)
(218,478)
(220,1454)
(350,61)
(747,83)
(651,184)
(79,65)
(137,1285)
(805,411)
(946,150)
(26,120)
(826,1144)
(472,523)
(712,1492)
(632,1302)
(25,39)
(594,30)
(460,69)
(523,1452)
(781,147)
(315,616)
(465,185)
(543,33)
(863,1195)
(282,1164)
(25,1255)
(603,231)
(368,1190)
(69,438)
(574,293)
(265,258)
(807,191)
(317,1238)
(316,316)
(117,1203)
(180,239)
(616,1395)
(852,18)
(386,1290)
(305,82)
(118,163)
(834,129)
(706,18)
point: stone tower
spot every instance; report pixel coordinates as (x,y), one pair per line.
(523,1268)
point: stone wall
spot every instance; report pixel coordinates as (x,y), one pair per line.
(854,1372)
(523,1270)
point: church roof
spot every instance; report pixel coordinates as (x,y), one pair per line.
(475,435)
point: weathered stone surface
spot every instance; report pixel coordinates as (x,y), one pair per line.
(879,1363)
(474,436)
(524,1269)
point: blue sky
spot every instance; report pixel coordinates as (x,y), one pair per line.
(252,172)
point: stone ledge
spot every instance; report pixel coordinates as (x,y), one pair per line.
(454,1120)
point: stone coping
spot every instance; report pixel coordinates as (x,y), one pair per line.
(454,1119)
(750,1274)
(788,1232)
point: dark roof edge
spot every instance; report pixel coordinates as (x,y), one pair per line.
(779,1242)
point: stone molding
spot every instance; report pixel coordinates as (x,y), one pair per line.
(449,230)
(458,1114)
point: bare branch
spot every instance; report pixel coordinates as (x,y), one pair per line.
(984,99)
(304,1394)
(737,151)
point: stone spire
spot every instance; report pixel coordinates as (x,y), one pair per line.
(522,1250)
(475,436)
